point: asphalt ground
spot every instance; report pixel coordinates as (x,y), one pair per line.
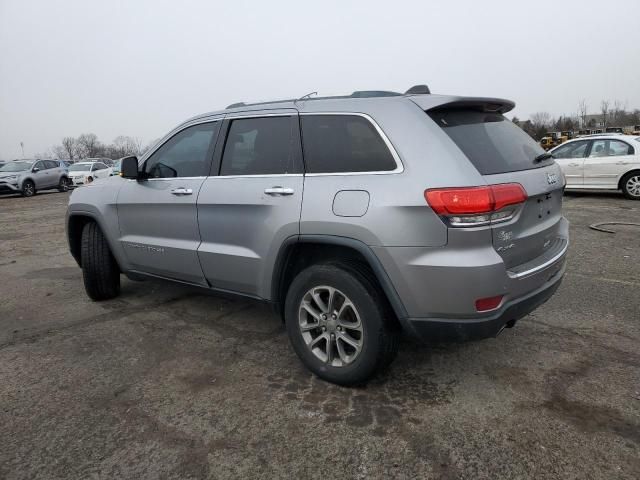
(169,382)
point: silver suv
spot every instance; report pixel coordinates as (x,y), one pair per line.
(357,217)
(29,176)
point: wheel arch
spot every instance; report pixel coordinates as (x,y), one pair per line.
(625,174)
(75,224)
(300,251)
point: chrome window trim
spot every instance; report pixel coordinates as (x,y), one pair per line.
(239,115)
(168,179)
(396,157)
(270,175)
(266,175)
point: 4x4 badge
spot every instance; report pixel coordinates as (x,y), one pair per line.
(552,178)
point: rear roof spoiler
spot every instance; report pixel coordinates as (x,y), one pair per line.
(483,104)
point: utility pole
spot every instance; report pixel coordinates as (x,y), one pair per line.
(22,147)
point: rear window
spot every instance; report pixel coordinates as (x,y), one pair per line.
(491,142)
(343,143)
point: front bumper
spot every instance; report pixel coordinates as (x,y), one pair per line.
(6,187)
(76,181)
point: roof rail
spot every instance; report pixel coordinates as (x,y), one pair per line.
(373,93)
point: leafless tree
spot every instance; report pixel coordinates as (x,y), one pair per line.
(60,152)
(70,147)
(124,145)
(618,113)
(88,145)
(604,110)
(540,122)
(583,111)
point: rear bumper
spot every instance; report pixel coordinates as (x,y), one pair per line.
(439,286)
(458,330)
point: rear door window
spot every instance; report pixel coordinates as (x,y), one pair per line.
(343,143)
(492,143)
(261,146)
(617,148)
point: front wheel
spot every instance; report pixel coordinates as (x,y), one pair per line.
(63,184)
(339,325)
(28,188)
(631,185)
(100,271)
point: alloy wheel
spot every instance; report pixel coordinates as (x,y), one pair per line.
(330,326)
(633,186)
(28,189)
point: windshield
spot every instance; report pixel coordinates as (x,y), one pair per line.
(491,142)
(80,168)
(16,166)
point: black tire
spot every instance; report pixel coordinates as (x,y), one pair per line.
(631,195)
(63,184)
(100,271)
(380,333)
(28,188)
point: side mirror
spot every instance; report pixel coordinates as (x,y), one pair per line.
(35,169)
(129,167)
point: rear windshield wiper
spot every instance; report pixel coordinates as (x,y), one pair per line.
(542,157)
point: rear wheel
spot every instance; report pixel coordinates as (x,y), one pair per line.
(100,271)
(338,324)
(631,185)
(28,188)
(63,184)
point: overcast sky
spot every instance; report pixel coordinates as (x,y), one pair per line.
(140,67)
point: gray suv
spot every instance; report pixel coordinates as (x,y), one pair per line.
(358,217)
(29,176)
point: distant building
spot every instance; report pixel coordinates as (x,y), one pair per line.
(594,120)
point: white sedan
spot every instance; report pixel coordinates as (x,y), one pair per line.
(603,162)
(86,172)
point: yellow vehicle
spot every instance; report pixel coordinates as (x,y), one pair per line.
(547,143)
(567,134)
(553,139)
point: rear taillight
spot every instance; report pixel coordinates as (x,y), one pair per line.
(474,206)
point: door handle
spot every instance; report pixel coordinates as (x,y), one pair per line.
(278,191)
(621,162)
(182,191)
(574,164)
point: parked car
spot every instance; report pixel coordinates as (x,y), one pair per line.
(603,162)
(431,215)
(115,169)
(81,173)
(29,176)
(107,161)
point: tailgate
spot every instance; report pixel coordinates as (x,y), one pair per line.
(503,153)
(535,230)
